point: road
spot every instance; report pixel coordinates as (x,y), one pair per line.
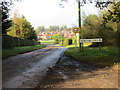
(26,70)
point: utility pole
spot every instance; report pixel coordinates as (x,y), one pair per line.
(79,20)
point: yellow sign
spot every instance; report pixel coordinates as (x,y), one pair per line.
(75,30)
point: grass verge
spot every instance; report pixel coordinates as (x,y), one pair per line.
(71,46)
(107,56)
(19,50)
(47,41)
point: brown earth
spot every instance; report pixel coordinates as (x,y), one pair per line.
(96,79)
(84,76)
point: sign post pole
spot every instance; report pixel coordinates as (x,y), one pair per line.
(18,33)
(75,40)
(99,47)
(79,19)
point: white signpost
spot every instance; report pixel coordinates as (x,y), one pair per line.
(91,40)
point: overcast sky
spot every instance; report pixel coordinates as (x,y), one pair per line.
(48,12)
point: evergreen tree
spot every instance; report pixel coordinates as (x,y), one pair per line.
(6,23)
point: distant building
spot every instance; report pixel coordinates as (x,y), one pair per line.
(47,35)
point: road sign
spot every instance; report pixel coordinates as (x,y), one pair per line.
(17,32)
(91,40)
(75,30)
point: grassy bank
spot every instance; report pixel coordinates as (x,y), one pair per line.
(105,57)
(18,50)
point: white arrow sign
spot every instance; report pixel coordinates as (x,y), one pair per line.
(91,40)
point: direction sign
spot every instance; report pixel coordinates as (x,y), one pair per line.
(75,30)
(91,40)
(17,32)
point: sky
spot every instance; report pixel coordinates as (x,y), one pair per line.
(48,12)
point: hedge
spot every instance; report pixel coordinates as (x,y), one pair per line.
(10,42)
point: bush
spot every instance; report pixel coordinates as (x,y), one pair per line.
(56,41)
(10,42)
(109,37)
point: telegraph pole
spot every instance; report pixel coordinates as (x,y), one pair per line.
(79,20)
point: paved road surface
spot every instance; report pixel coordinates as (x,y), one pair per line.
(25,70)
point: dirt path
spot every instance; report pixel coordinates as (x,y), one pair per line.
(26,69)
(69,73)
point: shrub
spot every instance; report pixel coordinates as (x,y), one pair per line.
(57,41)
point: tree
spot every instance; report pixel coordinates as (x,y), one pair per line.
(6,23)
(26,29)
(64,27)
(54,28)
(56,38)
(5,14)
(40,29)
(91,27)
(113,15)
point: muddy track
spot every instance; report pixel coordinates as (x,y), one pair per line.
(65,69)
(26,66)
(68,73)
(12,66)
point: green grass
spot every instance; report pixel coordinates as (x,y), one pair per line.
(18,50)
(87,44)
(108,56)
(71,46)
(47,41)
(84,44)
